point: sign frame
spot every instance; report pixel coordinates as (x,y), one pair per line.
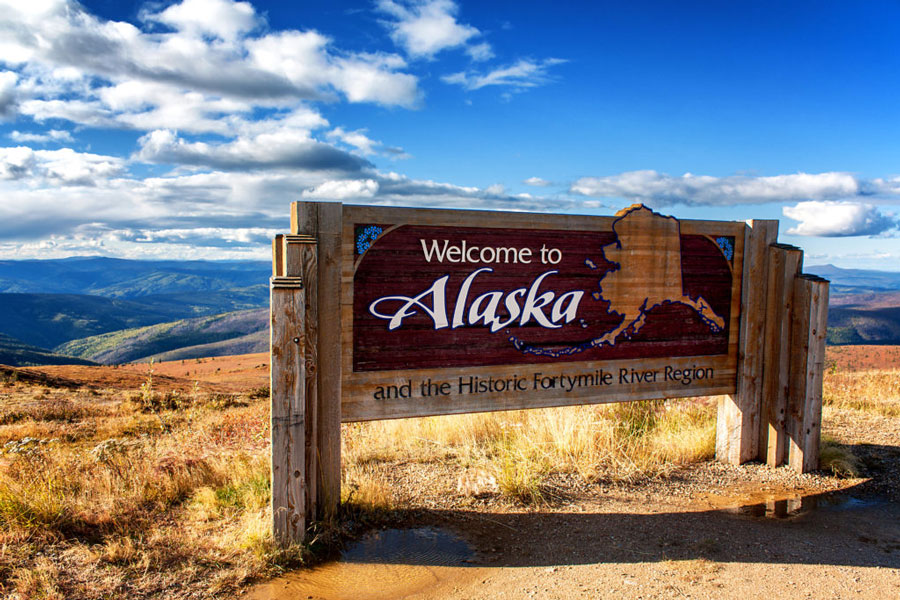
(358,402)
(768,386)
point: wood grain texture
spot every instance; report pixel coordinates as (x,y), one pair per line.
(785,263)
(322,220)
(738,419)
(278,256)
(306,248)
(804,412)
(329,236)
(288,426)
(359,388)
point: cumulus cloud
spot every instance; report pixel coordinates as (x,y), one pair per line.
(838,219)
(425,27)
(343,190)
(400,190)
(524,73)
(8,102)
(201,236)
(661,189)
(57,167)
(281,149)
(54,135)
(219,18)
(214,47)
(226,101)
(536,181)
(357,139)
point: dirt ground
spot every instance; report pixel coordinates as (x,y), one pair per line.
(711,531)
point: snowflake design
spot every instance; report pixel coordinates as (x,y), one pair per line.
(365,236)
(727,246)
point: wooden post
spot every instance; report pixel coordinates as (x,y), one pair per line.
(785,263)
(804,414)
(288,425)
(293,386)
(324,221)
(737,424)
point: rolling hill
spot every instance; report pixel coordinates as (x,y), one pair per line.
(239,332)
(17,353)
(869,318)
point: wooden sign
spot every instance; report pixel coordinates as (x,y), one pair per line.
(382,313)
(462,311)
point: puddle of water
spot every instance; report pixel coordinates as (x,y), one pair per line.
(387,564)
(783,504)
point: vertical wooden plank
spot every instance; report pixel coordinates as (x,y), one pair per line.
(800,341)
(300,261)
(812,430)
(278,256)
(287,375)
(737,424)
(310,274)
(785,263)
(808,365)
(330,228)
(324,220)
(305,218)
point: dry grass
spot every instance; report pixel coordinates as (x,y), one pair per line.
(875,391)
(143,494)
(163,494)
(520,449)
(838,459)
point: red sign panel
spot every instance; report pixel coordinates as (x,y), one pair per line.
(427,297)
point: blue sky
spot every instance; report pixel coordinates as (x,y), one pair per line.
(184,130)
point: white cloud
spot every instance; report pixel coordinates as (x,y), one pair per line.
(82,112)
(370,78)
(272,150)
(363,145)
(661,189)
(357,139)
(202,236)
(17,163)
(8,81)
(145,105)
(220,18)
(480,52)
(57,167)
(54,135)
(536,181)
(214,48)
(425,27)
(838,219)
(524,73)
(222,98)
(343,190)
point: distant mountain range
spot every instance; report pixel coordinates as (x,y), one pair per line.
(114,310)
(106,310)
(853,281)
(121,278)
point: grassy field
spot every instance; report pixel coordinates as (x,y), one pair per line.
(163,493)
